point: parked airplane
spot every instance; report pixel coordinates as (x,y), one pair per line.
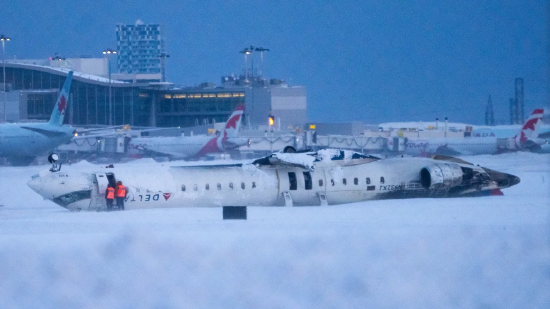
(22,142)
(504,131)
(193,146)
(526,139)
(327,177)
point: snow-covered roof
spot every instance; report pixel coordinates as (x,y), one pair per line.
(64,71)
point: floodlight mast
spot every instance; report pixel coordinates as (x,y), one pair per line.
(261,50)
(250,51)
(108,52)
(246,52)
(4,38)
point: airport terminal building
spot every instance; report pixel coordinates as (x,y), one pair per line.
(32,87)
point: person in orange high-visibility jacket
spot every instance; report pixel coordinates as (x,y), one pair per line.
(110,196)
(121,192)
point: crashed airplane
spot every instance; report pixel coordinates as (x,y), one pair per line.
(327,177)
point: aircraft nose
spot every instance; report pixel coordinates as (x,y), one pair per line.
(507,180)
(513,180)
(504,180)
(35,183)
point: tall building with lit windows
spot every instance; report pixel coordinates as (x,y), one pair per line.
(139,46)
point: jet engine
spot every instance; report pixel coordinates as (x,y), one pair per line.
(441,176)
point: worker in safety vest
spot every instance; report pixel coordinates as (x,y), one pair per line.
(121,192)
(110,196)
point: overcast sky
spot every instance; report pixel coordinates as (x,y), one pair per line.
(371,61)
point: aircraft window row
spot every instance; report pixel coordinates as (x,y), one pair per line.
(308,181)
(218,186)
(355,181)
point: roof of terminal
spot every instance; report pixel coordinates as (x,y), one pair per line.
(79,75)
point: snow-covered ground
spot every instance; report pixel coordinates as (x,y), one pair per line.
(488,252)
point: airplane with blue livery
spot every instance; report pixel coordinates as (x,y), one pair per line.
(20,143)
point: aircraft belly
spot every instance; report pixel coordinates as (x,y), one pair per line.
(17,142)
(20,145)
(346,196)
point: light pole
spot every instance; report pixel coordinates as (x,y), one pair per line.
(246,52)
(261,50)
(107,53)
(4,38)
(163,57)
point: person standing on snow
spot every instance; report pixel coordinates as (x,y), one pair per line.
(121,192)
(110,196)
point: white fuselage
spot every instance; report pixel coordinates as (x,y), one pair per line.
(160,185)
(451,146)
(183,147)
(505,131)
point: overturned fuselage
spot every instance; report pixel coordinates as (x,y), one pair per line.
(328,177)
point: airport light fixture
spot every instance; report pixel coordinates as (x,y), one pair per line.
(108,52)
(271,123)
(4,38)
(246,51)
(250,51)
(56,57)
(261,50)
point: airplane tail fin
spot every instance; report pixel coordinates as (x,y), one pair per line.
(529,131)
(233,124)
(58,113)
